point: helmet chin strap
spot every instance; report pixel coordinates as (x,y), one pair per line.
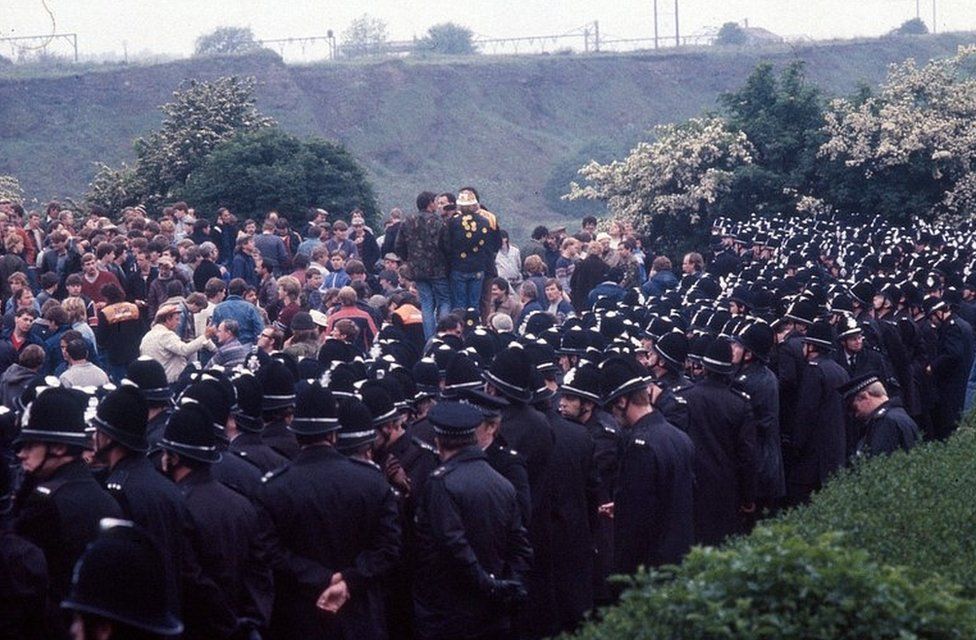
(101,453)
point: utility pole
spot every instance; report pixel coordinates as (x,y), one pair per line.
(918,9)
(655,25)
(677,33)
(596,36)
(934,29)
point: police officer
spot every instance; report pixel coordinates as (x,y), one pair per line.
(473,550)
(666,362)
(153,502)
(113,595)
(336,530)
(579,401)
(653,501)
(150,377)
(950,368)
(888,427)
(23,592)
(814,439)
(60,503)
(723,431)
(234,556)
(245,426)
(750,353)
(277,406)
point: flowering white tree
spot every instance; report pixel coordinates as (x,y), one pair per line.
(918,132)
(10,189)
(687,168)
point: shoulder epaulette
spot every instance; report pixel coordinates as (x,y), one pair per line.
(742,378)
(244,456)
(271,475)
(47,489)
(424,445)
(680,400)
(439,471)
(640,442)
(742,394)
(813,363)
(116,481)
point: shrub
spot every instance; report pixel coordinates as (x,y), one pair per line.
(776,585)
(916,510)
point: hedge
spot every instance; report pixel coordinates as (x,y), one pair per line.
(886,550)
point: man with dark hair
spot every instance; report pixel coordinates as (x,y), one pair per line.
(272,248)
(81,372)
(537,244)
(18,376)
(243,265)
(420,244)
(236,308)
(118,331)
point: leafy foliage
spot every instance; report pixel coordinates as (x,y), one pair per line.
(202,115)
(914,510)
(267,169)
(673,182)
(10,189)
(364,36)
(731,34)
(225,41)
(914,141)
(448,39)
(777,585)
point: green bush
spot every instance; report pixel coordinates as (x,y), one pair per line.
(777,585)
(917,510)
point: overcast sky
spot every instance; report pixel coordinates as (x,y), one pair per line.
(171,26)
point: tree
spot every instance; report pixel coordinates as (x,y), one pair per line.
(201,116)
(913,27)
(911,148)
(782,117)
(364,36)
(448,39)
(10,189)
(731,34)
(227,41)
(669,187)
(258,171)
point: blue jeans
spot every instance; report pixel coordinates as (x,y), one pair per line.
(466,289)
(435,301)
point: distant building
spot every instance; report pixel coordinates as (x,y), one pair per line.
(757,36)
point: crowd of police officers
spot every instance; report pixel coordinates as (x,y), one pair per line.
(490,487)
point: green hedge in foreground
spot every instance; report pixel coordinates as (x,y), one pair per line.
(917,510)
(886,550)
(778,586)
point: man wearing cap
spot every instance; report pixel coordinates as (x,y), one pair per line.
(750,353)
(153,502)
(814,437)
(468,244)
(723,431)
(337,534)
(887,426)
(59,503)
(234,556)
(164,345)
(473,552)
(653,500)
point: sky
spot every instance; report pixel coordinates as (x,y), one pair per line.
(170,27)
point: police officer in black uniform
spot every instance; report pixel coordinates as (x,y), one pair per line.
(473,549)
(245,433)
(113,593)
(666,362)
(814,439)
(723,431)
(234,555)
(888,427)
(653,501)
(23,592)
(150,377)
(336,532)
(59,504)
(579,401)
(277,405)
(750,352)
(153,502)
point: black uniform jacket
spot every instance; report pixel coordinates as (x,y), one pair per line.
(654,497)
(330,515)
(468,522)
